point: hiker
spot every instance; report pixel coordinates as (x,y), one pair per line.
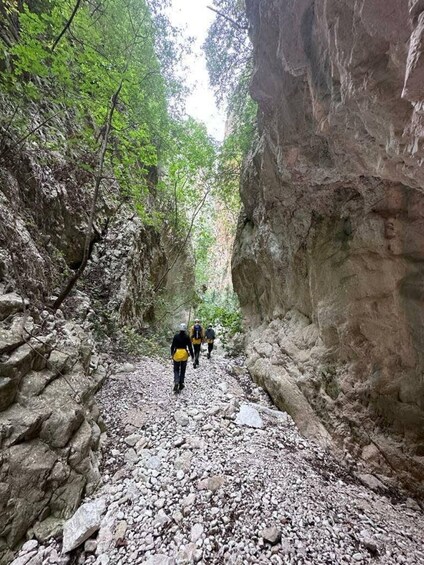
(180,349)
(197,336)
(210,338)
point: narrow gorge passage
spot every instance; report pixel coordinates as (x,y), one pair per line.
(185,481)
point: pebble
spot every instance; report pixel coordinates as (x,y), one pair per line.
(199,487)
(196,532)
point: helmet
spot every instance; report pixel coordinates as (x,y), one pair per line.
(197,320)
(183,327)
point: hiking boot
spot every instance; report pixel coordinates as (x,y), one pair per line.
(209,355)
(176,388)
(181,386)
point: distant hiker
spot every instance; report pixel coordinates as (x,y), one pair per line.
(210,338)
(180,349)
(197,336)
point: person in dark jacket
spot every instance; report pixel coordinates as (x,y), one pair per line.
(197,336)
(180,349)
(210,338)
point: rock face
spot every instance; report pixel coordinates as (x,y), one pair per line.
(329,255)
(50,427)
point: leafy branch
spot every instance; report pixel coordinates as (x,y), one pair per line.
(184,243)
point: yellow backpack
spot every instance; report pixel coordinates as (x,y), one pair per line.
(180,355)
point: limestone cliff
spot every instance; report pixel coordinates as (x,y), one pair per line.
(50,426)
(329,256)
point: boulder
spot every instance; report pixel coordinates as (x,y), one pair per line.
(61,426)
(83,524)
(8,391)
(11,304)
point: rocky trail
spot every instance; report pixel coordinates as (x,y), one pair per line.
(217,475)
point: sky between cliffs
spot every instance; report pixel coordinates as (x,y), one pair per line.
(194,16)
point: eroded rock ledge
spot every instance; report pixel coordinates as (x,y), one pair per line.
(329,257)
(50,428)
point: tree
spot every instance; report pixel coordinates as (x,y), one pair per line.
(227,48)
(75,57)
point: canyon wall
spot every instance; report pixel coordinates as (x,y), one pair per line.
(50,363)
(329,256)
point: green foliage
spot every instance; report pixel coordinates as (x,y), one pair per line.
(222,310)
(227,48)
(229,60)
(117,41)
(242,130)
(189,170)
(148,345)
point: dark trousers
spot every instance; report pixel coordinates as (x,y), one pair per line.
(196,347)
(179,372)
(210,348)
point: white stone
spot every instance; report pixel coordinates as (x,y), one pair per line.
(159,559)
(153,463)
(132,439)
(181,418)
(83,524)
(249,416)
(24,559)
(30,545)
(196,532)
(189,500)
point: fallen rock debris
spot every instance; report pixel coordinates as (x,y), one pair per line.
(195,484)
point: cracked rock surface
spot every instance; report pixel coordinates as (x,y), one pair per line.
(185,483)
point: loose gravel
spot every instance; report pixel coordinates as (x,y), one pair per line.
(200,478)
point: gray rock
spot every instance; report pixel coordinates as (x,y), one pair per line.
(30,545)
(51,527)
(271,535)
(153,463)
(179,442)
(105,535)
(131,455)
(196,532)
(24,559)
(181,418)
(249,416)
(83,524)
(183,462)
(213,483)
(90,546)
(13,337)
(121,530)
(11,304)
(132,439)
(371,481)
(8,390)
(38,559)
(159,559)
(126,368)
(189,500)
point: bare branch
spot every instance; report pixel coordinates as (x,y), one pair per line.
(68,24)
(22,139)
(71,283)
(232,22)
